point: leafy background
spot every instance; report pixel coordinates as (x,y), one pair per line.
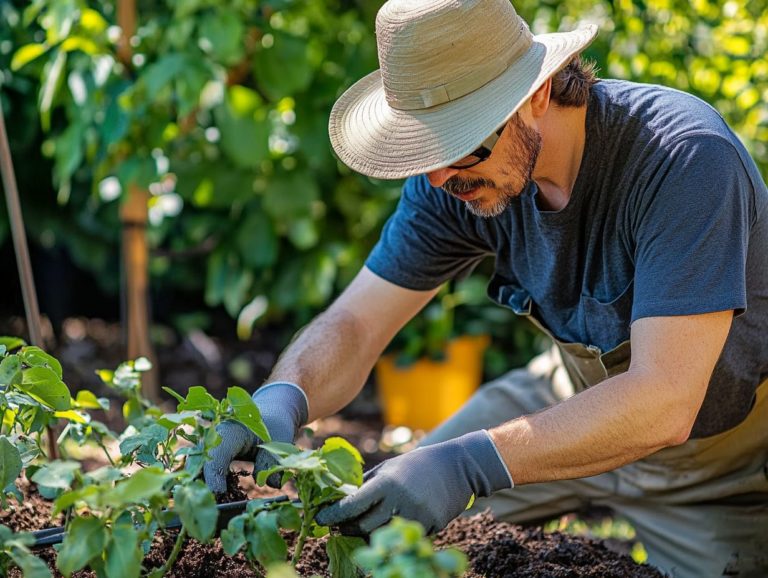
(223,114)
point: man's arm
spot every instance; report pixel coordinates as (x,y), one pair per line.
(651,406)
(331,358)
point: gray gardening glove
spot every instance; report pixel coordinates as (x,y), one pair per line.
(284,409)
(431,485)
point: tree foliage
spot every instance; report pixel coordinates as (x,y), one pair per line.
(222,113)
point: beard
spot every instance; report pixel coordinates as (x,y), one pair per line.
(518,166)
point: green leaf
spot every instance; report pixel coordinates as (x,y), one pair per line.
(69,152)
(227,282)
(196,507)
(281,570)
(340,561)
(45,385)
(36,357)
(343,460)
(84,540)
(136,171)
(288,517)
(81,43)
(233,538)
(265,544)
(198,399)
(12,343)
(140,487)
(88,494)
(257,241)
(145,443)
(87,400)
(291,195)
(172,420)
(451,561)
(31,566)
(52,81)
(246,412)
(160,74)
(303,233)
(178,397)
(221,35)
(132,411)
(27,54)
(272,70)
(123,555)
(245,128)
(10,463)
(281,449)
(57,475)
(10,371)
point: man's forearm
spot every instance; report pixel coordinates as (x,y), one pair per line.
(607,426)
(330,360)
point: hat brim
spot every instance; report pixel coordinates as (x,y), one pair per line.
(377,140)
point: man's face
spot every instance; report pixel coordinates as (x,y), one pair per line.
(489,187)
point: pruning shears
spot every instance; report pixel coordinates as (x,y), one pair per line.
(51,536)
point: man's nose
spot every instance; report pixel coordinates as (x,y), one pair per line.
(438,177)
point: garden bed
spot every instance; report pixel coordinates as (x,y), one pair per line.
(494,550)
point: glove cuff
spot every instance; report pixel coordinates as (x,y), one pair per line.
(280,400)
(491,473)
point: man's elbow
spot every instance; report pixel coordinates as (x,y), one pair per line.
(681,421)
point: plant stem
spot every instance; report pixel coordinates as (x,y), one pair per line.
(256,568)
(306,523)
(100,443)
(175,552)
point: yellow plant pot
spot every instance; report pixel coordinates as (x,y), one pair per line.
(425,393)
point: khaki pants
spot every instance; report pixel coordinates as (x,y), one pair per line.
(700,509)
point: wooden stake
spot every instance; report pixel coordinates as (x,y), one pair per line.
(134,216)
(23,262)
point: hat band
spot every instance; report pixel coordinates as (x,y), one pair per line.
(429,97)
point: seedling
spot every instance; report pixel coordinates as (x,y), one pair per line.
(33,397)
(321,476)
(14,551)
(400,550)
(124,513)
(112,518)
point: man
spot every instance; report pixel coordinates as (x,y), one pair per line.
(622,217)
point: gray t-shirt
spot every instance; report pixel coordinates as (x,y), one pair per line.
(668,216)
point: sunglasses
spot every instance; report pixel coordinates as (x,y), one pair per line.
(481,153)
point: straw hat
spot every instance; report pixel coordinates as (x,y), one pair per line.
(452,72)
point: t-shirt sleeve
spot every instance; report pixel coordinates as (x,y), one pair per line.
(691,232)
(430,238)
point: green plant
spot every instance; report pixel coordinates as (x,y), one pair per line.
(14,551)
(111,515)
(463,308)
(208,117)
(428,333)
(400,550)
(125,512)
(33,397)
(320,476)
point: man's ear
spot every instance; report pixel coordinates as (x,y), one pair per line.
(540,99)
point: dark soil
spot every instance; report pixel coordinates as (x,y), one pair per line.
(34,513)
(494,549)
